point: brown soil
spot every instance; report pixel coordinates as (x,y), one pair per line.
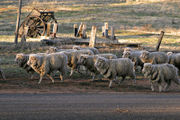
(24,85)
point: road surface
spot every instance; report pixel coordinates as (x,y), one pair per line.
(90,106)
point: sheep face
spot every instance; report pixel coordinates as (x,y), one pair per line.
(127,54)
(82,60)
(144,55)
(147,69)
(101,64)
(34,61)
(20,59)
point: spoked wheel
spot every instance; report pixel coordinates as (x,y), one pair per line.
(36,26)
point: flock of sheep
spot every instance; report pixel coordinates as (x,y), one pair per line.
(159,67)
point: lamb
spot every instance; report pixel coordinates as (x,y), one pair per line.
(94,50)
(2,73)
(46,64)
(174,58)
(135,57)
(21,59)
(161,73)
(115,67)
(154,57)
(89,62)
(73,58)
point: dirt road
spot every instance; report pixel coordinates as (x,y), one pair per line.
(90,106)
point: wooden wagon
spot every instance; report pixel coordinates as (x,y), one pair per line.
(35,24)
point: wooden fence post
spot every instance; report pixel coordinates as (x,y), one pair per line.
(79,30)
(18,22)
(159,40)
(103,31)
(75,30)
(55,28)
(48,29)
(113,37)
(24,34)
(92,40)
(83,35)
(106,30)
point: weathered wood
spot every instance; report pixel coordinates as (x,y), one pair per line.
(18,22)
(75,30)
(159,40)
(80,30)
(48,29)
(92,40)
(106,29)
(24,34)
(103,31)
(113,37)
(83,35)
(55,28)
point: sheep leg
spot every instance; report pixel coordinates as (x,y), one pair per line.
(72,71)
(123,78)
(2,74)
(110,83)
(166,86)
(32,76)
(152,86)
(61,77)
(160,87)
(50,78)
(93,76)
(133,76)
(40,79)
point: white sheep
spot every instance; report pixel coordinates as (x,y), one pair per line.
(73,58)
(154,57)
(161,73)
(94,50)
(135,57)
(22,59)
(46,64)
(115,67)
(89,62)
(174,58)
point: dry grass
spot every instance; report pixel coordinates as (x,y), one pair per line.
(135,22)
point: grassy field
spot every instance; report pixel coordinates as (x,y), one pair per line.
(135,22)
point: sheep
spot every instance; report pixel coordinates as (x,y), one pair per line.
(46,64)
(135,57)
(2,73)
(115,67)
(154,57)
(174,58)
(161,73)
(21,59)
(94,50)
(54,49)
(74,57)
(127,49)
(89,62)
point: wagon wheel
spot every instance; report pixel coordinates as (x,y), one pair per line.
(36,26)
